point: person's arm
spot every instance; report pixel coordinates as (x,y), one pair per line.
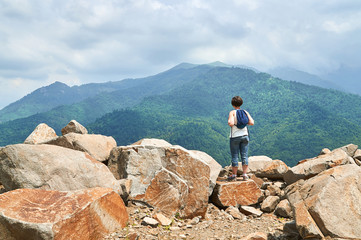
(231,122)
(251,121)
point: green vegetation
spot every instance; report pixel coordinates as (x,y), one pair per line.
(189,106)
(293,121)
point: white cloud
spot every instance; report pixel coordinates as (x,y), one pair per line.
(78,41)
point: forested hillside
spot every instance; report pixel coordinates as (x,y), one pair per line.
(54,95)
(129,93)
(189,105)
(293,121)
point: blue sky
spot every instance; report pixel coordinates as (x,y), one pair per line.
(82,41)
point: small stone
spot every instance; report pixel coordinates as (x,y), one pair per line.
(279,184)
(248,210)
(163,220)
(265,185)
(195,220)
(274,190)
(283,209)
(147,221)
(133,236)
(235,213)
(153,231)
(174,228)
(270,203)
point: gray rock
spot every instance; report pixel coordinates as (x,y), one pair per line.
(97,146)
(311,167)
(150,222)
(324,151)
(74,127)
(270,203)
(235,213)
(350,149)
(274,190)
(153,142)
(249,210)
(52,168)
(41,133)
(263,166)
(284,209)
(328,205)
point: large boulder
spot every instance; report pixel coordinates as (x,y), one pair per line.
(52,168)
(311,167)
(169,178)
(153,142)
(263,166)
(236,193)
(42,133)
(97,146)
(328,205)
(35,214)
(74,127)
(214,166)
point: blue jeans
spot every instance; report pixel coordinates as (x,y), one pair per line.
(239,145)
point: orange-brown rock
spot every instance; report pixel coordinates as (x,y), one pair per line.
(97,146)
(170,178)
(235,193)
(41,133)
(182,186)
(43,214)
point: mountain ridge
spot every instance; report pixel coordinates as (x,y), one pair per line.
(189,106)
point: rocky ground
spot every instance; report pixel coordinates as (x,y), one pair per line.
(217,224)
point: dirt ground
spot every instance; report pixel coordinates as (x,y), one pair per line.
(217,225)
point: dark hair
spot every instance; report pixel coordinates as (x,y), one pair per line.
(237,101)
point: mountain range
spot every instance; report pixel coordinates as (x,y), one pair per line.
(189,104)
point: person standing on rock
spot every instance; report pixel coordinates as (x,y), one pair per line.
(238,140)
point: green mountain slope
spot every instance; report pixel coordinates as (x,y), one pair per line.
(131,92)
(189,105)
(54,95)
(293,121)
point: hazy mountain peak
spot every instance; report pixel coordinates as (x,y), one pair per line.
(291,74)
(219,64)
(185,66)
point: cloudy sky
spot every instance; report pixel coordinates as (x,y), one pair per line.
(81,41)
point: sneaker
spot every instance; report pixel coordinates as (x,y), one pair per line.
(245,177)
(232,178)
